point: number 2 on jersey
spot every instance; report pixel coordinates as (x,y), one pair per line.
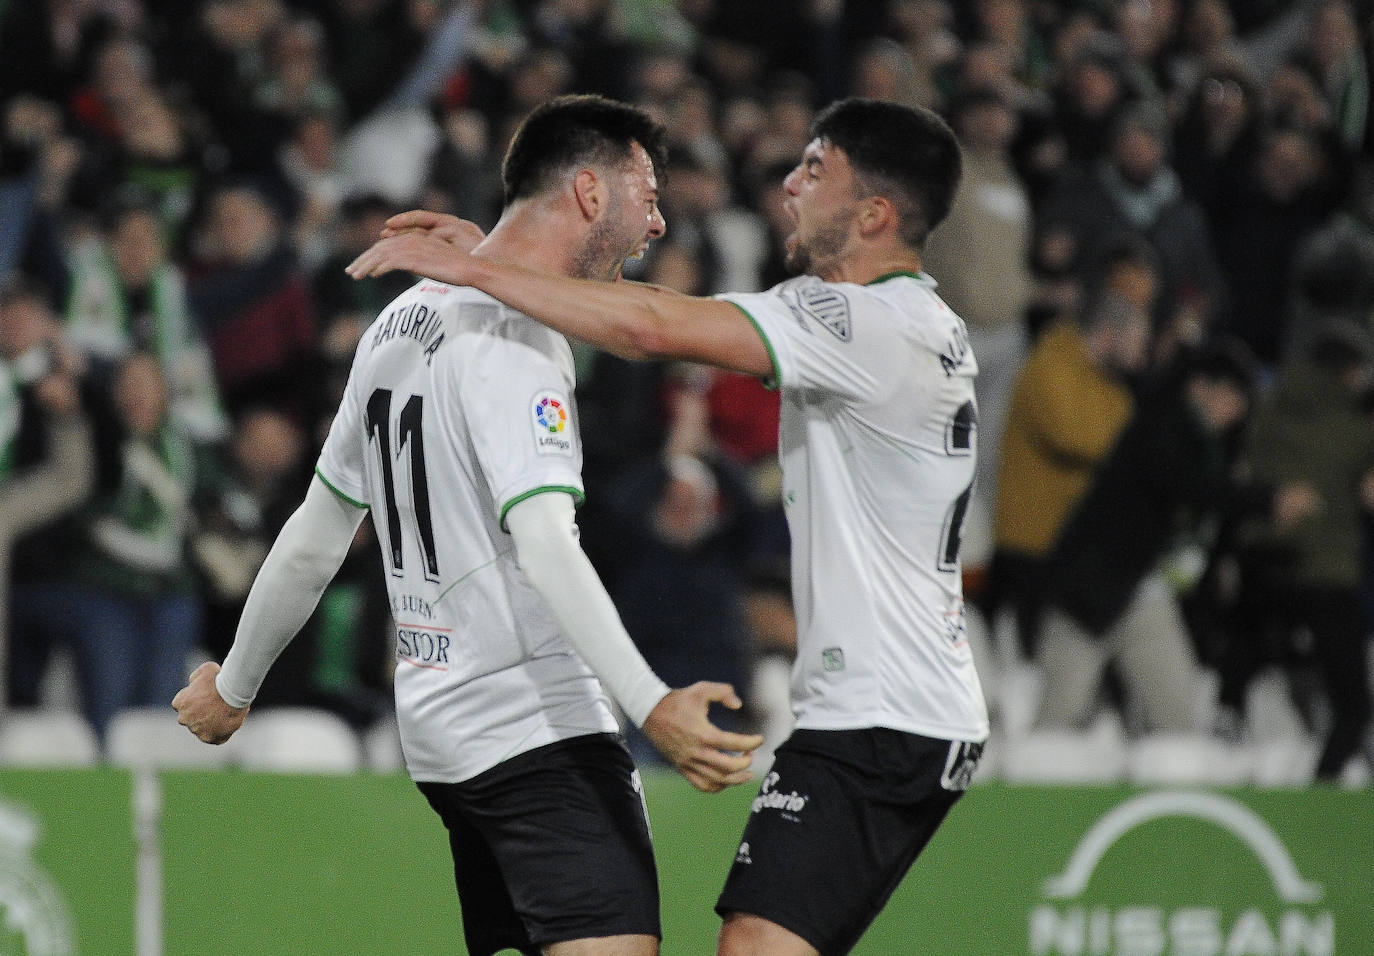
(409,436)
(959,436)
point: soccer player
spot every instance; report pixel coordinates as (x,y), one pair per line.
(457,430)
(877,443)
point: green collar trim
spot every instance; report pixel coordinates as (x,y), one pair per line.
(896,275)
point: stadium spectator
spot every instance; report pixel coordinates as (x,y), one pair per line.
(254,304)
(137,138)
(1214,138)
(126,295)
(1333,269)
(1069,405)
(1133,191)
(463,174)
(37,163)
(1107,597)
(133,608)
(309,163)
(47,469)
(1091,93)
(1312,432)
(1337,53)
(1284,194)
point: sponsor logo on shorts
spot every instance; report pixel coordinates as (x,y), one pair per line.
(960,764)
(552,426)
(790,805)
(637,783)
(832,658)
(742,855)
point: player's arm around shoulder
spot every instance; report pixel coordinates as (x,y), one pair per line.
(711,331)
(629,319)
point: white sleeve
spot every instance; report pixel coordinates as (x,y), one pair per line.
(828,337)
(546,542)
(302,562)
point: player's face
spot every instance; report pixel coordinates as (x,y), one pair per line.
(822,199)
(631,220)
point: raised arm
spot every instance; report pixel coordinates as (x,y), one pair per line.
(630,319)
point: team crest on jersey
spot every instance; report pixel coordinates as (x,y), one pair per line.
(552,424)
(827,305)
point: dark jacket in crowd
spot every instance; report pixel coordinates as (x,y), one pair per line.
(1165,473)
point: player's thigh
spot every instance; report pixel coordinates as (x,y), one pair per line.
(836,825)
(490,922)
(567,825)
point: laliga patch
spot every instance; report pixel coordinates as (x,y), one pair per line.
(551,416)
(826,305)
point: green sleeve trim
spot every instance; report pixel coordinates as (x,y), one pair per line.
(330,485)
(900,273)
(774,381)
(577,496)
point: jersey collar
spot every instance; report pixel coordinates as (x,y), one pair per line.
(900,273)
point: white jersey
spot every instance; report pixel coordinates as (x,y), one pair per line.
(457,408)
(878,443)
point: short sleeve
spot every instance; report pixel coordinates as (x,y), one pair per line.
(517,396)
(829,337)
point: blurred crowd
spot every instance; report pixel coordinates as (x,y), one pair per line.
(1163,248)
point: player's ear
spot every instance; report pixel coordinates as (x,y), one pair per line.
(876,214)
(590,193)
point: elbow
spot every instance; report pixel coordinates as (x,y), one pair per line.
(314,567)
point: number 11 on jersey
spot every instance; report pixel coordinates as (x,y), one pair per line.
(409,437)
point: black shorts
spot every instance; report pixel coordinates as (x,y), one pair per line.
(551,845)
(837,823)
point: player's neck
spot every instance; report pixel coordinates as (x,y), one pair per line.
(862,269)
(534,236)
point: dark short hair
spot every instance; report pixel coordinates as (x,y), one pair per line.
(1225,358)
(906,154)
(574,130)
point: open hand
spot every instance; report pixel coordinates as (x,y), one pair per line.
(710,758)
(201,709)
(430,244)
(459,233)
(422,253)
